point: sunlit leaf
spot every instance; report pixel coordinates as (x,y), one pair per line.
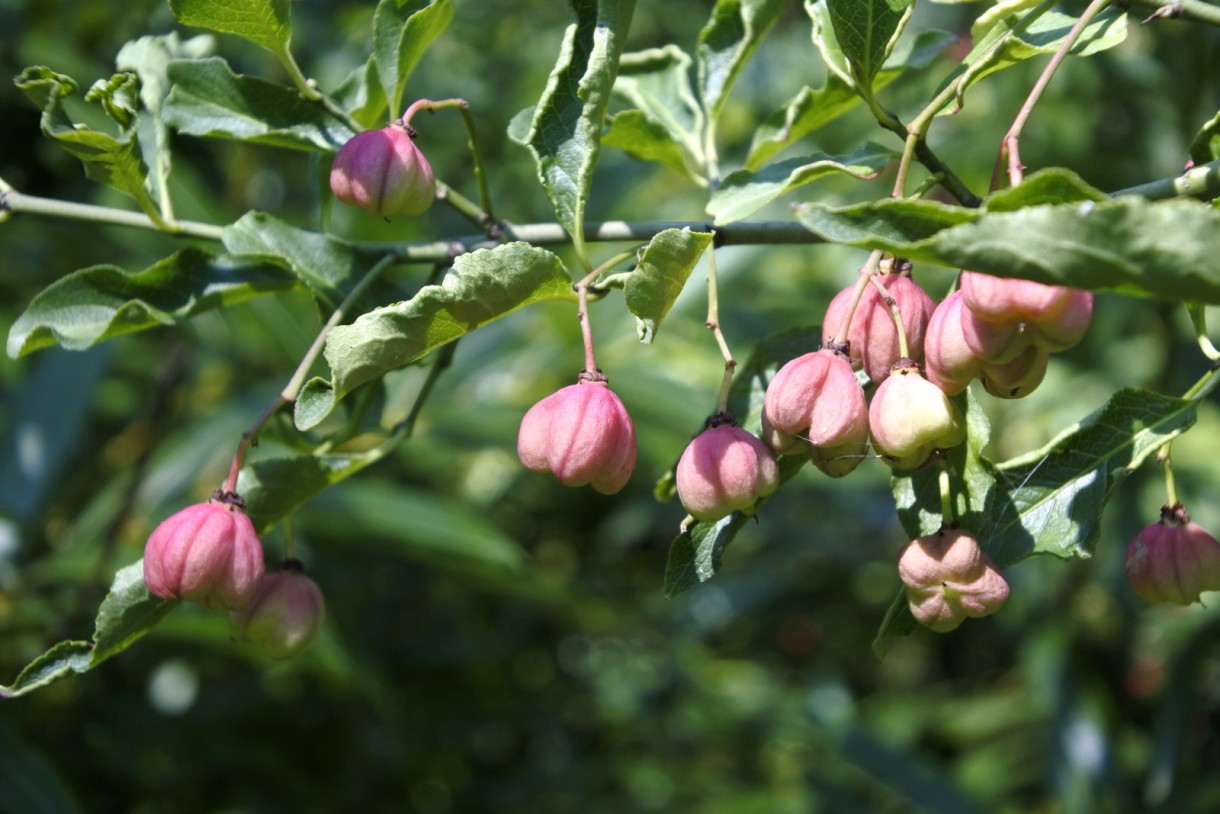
(402,31)
(866,31)
(262,22)
(726,43)
(655,283)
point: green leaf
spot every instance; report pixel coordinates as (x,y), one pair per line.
(262,22)
(1129,245)
(743,192)
(726,43)
(402,31)
(565,135)
(643,137)
(1205,146)
(695,554)
(866,31)
(482,286)
(114,161)
(208,99)
(655,283)
(811,109)
(97,303)
(657,82)
(1049,501)
(1022,36)
(827,43)
(273,487)
(1002,8)
(29,783)
(328,265)
(127,613)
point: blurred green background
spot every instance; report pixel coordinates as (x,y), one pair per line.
(497,643)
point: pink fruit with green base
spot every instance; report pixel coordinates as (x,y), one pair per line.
(383,172)
(725,469)
(948,579)
(1174,560)
(910,418)
(284,615)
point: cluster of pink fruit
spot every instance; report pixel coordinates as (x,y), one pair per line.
(998,330)
(210,553)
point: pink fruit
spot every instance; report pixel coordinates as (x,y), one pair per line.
(207,553)
(383,172)
(724,469)
(1056,317)
(582,435)
(949,362)
(948,578)
(285,613)
(910,418)
(815,402)
(1174,560)
(872,336)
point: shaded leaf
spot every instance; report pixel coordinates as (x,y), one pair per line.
(657,82)
(866,31)
(126,614)
(810,109)
(208,99)
(1128,245)
(657,281)
(743,192)
(726,43)
(827,42)
(565,134)
(110,160)
(328,265)
(402,31)
(482,286)
(274,487)
(643,137)
(97,303)
(262,22)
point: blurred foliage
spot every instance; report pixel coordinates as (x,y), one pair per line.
(496,643)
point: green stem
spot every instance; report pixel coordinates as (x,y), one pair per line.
(1009,144)
(13,201)
(865,274)
(891,304)
(946,497)
(1205,385)
(1192,10)
(303,85)
(713,324)
(1201,182)
(482,215)
(1198,317)
(293,388)
(1165,456)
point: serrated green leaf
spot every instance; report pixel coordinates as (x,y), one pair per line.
(482,286)
(565,134)
(742,193)
(402,31)
(328,265)
(866,31)
(643,137)
(273,487)
(811,109)
(657,82)
(1022,36)
(127,613)
(731,36)
(114,161)
(1205,146)
(1049,501)
(101,302)
(657,281)
(1129,245)
(263,22)
(208,99)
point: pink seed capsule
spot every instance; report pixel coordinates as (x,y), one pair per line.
(383,172)
(725,469)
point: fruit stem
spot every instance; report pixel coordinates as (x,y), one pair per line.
(484,218)
(289,553)
(946,497)
(713,324)
(582,311)
(290,392)
(1165,457)
(1009,144)
(865,274)
(1198,317)
(895,314)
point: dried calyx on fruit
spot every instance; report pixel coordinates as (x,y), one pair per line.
(285,613)
(581,434)
(1173,560)
(383,172)
(872,336)
(207,553)
(723,469)
(910,418)
(815,403)
(949,578)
